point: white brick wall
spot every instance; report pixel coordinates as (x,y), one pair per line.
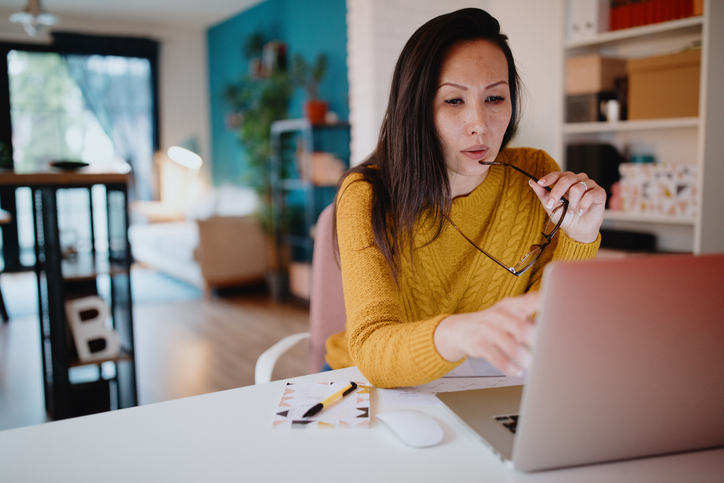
(376,32)
(535,29)
(378,29)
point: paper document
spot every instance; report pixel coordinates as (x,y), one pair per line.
(424,394)
(475,368)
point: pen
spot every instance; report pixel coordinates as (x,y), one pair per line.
(337,395)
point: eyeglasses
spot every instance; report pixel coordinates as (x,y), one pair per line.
(549,230)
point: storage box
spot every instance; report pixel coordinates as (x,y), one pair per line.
(587,107)
(659,189)
(599,161)
(664,86)
(300,279)
(588,74)
(587,18)
(322,169)
(90,398)
(698,8)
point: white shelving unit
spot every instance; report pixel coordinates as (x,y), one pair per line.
(698,140)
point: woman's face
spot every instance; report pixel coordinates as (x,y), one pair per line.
(472,110)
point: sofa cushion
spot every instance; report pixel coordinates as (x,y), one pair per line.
(227,200)
(169,248)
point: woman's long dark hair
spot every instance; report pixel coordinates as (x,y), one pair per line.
(407,171)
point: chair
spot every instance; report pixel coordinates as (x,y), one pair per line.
(327,315)
(5,218)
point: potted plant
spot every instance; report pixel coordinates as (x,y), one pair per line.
(308,76)
(253,51)
(256,102)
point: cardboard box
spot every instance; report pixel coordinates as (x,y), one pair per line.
(698,8)
(588,74)
(322,169)
(587,107)
(587,18)
(300,279)
(665,86)
(659,189)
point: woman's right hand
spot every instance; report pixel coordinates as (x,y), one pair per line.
(503,334)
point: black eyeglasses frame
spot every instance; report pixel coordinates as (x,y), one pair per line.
(538,248)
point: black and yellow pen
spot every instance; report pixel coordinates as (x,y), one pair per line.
(328,401)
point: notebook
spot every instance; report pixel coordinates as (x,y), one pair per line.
(628,362)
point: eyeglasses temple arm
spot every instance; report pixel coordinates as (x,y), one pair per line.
(510,269)
(496,163)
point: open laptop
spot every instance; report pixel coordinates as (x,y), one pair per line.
(628,362)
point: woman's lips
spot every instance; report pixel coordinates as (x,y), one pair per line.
(476,152)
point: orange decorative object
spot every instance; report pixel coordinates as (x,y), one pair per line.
(316,111)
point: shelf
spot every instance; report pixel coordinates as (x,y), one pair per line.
(299,240)
(87,267)
(124,355)
(616,36)
(638,125)
(645,218)
(302,184)
(292,184)
(290,125)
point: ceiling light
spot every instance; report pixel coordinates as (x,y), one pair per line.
(33,18)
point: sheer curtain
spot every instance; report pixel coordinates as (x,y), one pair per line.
(118,91)
(118,80)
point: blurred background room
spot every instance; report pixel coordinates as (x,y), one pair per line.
(231,122)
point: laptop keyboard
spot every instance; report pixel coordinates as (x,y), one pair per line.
(510,421)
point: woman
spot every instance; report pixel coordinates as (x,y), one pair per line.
(429,237)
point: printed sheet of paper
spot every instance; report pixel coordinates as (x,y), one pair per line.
(424,395)
(472,367)
(351,411)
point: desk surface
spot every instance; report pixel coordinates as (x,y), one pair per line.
(227,436)
(102,173)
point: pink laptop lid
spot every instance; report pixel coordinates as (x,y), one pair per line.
(629,362)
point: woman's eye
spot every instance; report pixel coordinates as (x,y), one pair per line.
(454,102)
(494,99)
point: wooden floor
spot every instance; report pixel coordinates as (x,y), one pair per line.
(182,349)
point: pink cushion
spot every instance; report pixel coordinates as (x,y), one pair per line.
(327,315)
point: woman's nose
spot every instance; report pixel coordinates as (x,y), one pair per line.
(478,121)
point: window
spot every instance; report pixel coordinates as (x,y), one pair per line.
(94,102)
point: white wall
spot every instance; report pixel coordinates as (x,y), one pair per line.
(183,71)
(535,29)
(378,29)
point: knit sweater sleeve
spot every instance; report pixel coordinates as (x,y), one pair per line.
(388,350)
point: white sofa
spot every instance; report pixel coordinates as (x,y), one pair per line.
(218,242)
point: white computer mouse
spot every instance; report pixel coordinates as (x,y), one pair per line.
(414,428)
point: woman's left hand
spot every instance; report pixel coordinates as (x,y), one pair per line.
(586,203)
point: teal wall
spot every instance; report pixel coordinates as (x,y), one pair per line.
(307,27)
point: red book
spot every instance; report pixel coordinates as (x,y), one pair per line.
(656,11)
(669,10)
(637,13)
(648,14)
(688,8)
(626,16)
(615,14)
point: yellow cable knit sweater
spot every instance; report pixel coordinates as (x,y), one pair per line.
(389,330)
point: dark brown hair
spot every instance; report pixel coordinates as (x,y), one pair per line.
(407,170)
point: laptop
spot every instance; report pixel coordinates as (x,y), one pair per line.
(628,362)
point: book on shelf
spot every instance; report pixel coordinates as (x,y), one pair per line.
(635,13)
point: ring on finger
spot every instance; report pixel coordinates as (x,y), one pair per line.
(585,186)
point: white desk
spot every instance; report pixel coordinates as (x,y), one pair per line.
(227,436)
